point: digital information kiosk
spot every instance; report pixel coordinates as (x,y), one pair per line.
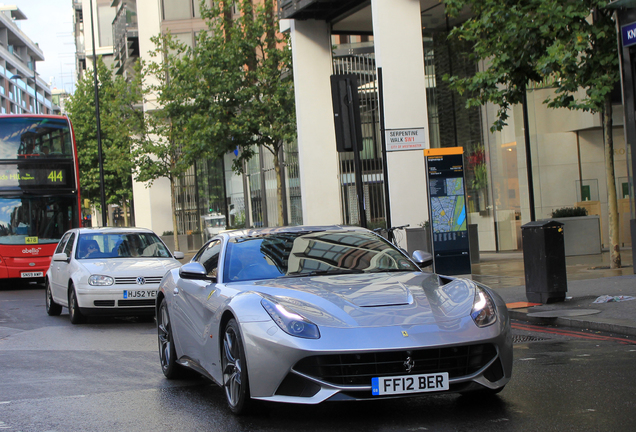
(447,210)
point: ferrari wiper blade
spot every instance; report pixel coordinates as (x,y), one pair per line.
(391,270)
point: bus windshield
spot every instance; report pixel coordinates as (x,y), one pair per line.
(36,220)
(35,137)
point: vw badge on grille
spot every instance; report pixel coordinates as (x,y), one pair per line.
(409,364)
(141,281)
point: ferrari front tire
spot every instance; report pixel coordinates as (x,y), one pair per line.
(167,353)
(235,377)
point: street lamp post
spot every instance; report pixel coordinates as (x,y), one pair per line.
(99,136)
(35,87)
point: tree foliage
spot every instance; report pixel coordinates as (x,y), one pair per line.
(120,122)
(233,89)
(571,44)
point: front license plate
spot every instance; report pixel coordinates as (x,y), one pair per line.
(31,274)
(409,384)
(140,294)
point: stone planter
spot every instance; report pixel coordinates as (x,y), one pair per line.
(183,242)
(582,235)
(195,241)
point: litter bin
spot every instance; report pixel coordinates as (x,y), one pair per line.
(544,261)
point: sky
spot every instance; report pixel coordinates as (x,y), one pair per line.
(50,24)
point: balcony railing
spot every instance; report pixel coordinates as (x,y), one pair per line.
(125,33)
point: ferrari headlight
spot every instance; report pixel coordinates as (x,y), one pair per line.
(99,280)
(484,312)
(290,322)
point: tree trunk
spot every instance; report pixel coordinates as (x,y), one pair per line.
(612,203)
(175,232)
(279,189)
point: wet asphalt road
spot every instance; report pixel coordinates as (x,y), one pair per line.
(105,376)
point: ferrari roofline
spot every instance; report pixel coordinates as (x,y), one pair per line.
(257,232)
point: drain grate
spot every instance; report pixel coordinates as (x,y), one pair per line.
(526,338)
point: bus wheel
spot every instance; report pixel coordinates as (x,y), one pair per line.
(74,313)
(52,308)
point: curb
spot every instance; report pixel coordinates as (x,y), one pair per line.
(608,325)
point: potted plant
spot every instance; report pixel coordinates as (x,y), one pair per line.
(582,233)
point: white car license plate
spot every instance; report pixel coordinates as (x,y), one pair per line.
(409,384)
(129,294)
(31,274)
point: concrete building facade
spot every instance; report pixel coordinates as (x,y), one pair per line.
(210,186)
(400,52)
(103,15)
(21,88)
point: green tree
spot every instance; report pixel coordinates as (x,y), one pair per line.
(234,89)
(165,149)
(120,121)
(571,44)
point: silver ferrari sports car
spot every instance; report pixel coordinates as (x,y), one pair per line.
(310,314)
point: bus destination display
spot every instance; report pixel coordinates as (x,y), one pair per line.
(14,177)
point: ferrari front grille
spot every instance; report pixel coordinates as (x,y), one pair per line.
(148,280)
(358,369)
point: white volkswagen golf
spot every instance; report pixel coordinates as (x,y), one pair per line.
(107,271)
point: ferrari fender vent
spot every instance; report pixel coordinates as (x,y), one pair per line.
(495,372)
(104,303)
(294,385)
(142,302)
(358,369)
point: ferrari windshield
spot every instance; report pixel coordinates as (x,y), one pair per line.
(311,253)
(120,245)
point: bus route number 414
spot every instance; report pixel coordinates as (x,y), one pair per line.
(56,176)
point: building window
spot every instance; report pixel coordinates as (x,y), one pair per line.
(196,7)
(183,38)
(177,9)
(105,18)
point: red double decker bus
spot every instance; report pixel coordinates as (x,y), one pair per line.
(39,191)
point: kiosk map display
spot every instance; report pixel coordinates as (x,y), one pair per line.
(447,204)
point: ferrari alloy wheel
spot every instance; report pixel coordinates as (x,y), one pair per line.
(235,381)
(52,308)
(167,353)
(74,313)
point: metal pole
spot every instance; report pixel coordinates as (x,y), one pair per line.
(526,134)
(362,216)
(385,165)
(35,85)
(99,136)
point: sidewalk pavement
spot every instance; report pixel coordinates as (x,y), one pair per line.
(588,278)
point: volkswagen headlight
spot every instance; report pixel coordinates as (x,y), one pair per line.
(290,322)
(100,280)
(484,312)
